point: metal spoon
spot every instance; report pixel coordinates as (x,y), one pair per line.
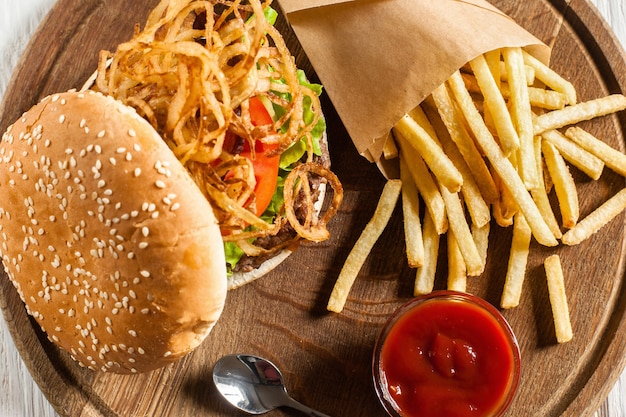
(254,385)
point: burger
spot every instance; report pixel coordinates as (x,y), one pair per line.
(194,161)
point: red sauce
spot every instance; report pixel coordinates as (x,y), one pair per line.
(448,357)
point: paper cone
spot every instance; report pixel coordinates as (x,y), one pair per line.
(378,59)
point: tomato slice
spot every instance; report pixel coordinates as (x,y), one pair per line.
(259,115)
(265,167)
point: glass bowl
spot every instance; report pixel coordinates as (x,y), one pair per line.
(446,353)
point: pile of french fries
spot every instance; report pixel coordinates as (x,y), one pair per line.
(491,143)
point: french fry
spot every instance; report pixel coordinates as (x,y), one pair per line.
(558,299)
(522,115)
(518,258)
(431,152)
(501,164)
(422,119)
(538,97)
(596,220)
(453,121)
(411,215)
(494,101)
(579,112)
(529,73)
(457,272)
(611,157)
(458,225)
(575,154)
(505,207)
(390,150)
(550,78)
(540,195)
(425,275)
(546,99)
(564,185)
(364,244)
(495,65)
(481,239)
(474,201)
(425,184)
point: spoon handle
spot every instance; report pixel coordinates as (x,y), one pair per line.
(290,402)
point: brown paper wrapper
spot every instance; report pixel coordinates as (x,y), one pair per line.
(378,59)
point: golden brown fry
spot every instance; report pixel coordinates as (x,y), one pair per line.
(474,201)
(458,225)
(522,115)
(457,272)
(579,112)
(529,73)
(550,78)
(558,299)
(538,97)
(596,220)
(611,157)
(425,275)
(518,258)
(540,195)
(364,244)
(496,67)
(481,238)
(390,151)
(509,139)
(431,152)
(505,207)
(575,154)
(458,133)
(564,185)
(546,99)
(425,184)
(501,164)
(422,119)
(411,214)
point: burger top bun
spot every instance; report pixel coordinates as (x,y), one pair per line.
(110,244)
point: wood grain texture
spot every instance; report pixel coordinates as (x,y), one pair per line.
(282,316)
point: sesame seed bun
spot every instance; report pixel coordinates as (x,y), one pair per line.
(112,247)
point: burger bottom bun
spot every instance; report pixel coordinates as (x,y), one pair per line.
(112,247)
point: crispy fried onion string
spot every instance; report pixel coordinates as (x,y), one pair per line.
(191,73)
(297,185)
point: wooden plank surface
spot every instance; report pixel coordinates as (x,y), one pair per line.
(284,318)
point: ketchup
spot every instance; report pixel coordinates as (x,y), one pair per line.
(448,354)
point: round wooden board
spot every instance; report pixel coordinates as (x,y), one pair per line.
(326,357)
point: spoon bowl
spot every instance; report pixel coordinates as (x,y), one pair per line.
(254,385)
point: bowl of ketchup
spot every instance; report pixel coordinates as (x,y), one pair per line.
(446,354)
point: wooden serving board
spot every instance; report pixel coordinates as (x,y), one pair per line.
(326,357)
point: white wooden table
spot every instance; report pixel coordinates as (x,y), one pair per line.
(19,395)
